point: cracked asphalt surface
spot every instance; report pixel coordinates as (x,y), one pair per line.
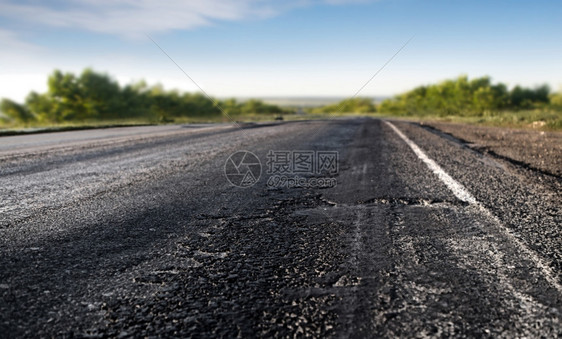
(138,233)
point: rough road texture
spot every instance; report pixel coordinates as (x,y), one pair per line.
(539,150)
(142,235)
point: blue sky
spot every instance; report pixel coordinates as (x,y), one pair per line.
(281,48)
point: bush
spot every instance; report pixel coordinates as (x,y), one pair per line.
(464,97)
(96,96)
(16,112)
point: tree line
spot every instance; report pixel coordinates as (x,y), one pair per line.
(475,97)
(459,97)
(94,96)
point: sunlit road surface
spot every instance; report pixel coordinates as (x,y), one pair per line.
(33,142)
(137,232)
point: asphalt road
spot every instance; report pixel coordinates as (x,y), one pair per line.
(138,233)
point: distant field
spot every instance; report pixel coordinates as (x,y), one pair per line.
(544,121)
(306,101)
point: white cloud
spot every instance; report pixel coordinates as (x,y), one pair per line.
(24,66)
(18,67)
(11,41)
(15,51)
(129,18)
(132,18)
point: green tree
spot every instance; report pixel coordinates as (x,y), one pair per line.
(556,99)
(462,96)
(15,111)
(231,106)
(42,106)
(67,103)
(526,98)
(98,96)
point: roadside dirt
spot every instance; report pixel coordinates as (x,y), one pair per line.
(538,150)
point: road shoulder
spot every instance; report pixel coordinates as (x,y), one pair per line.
(536,150)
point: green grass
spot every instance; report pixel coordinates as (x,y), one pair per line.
(530,119)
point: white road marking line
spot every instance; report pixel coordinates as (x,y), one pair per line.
(462,193)
(458,190)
